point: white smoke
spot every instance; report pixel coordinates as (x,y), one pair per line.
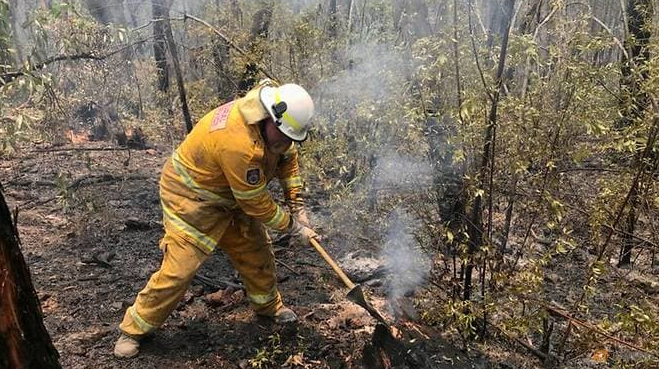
(374,74)
(399,172)
(407,265)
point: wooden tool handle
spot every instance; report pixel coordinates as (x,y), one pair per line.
(331,262)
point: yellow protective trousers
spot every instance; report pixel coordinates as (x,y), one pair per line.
(249,249)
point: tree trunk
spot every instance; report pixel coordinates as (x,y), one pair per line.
(351,12)
(6,58)
(237,12)
(107,11)
(14,25)
(497,22)
(634,67)
(333,30)
(133,9)
(411,19)
(173,52)
(475,226)
(634,73)
(160,10)
(260,28)
(531,19)
(221,56)
(333,27)
(24,340)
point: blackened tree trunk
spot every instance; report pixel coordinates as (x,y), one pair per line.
(634,73)
(333,27)
(475,226)
(173,52)
(159,11)
(333,30)
(24,340)
(260,28)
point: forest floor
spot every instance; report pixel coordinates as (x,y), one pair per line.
(90,223)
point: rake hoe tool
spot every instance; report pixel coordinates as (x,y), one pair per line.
(355,294)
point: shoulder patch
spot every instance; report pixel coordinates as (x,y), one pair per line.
(221,117)
(253,176)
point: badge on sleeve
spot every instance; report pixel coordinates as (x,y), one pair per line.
(253,176)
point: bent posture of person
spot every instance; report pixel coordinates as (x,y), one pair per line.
(213,192)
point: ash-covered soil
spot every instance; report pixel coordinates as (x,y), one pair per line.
(90,222)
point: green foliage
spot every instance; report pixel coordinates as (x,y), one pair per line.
(267,356)
(560,158)
(64,193)
(6,50)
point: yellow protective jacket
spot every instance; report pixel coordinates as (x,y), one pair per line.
(222,169)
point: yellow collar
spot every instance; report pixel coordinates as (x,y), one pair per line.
(250,107)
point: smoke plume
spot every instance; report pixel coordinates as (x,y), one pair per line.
(406,264)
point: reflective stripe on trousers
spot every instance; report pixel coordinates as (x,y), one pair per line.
(262,299)
(181,225)
(143,324)
(290,182)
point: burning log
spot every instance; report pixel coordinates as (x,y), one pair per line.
(405,345)
(386,351)
(408,347)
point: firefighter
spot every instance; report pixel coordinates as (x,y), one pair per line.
(213,192)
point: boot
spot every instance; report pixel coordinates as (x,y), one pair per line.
(126,347)
(285,315)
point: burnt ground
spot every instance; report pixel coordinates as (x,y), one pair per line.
(88,263)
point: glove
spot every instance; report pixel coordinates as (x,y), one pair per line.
(301,216)
(301,232)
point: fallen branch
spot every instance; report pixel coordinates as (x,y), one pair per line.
(555,311)
(93,179)
(73,185)
(610,227)
(217,283)
(544,357)
(102,179)
(537,353)
(290,268)
(62,149)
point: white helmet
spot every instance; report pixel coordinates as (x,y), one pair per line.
(291,107)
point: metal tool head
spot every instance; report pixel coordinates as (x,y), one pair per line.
(356,295)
